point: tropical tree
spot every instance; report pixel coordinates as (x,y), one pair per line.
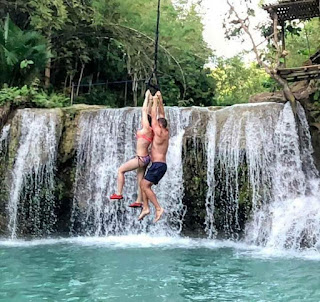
(106,41)
(239,23)
(302,41)
(237,81)
(23,54)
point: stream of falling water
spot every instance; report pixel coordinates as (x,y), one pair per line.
(262,151)
(239,145)
(31,201)
(291,220)
(107,139)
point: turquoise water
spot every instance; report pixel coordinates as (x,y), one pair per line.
(136,268)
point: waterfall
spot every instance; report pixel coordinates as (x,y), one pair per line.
(31,201)
(240,152)
(260,165)
(289,179)
(263,185)
(291,219)
(308,165)
(107,139)
(211,182)
(4,139)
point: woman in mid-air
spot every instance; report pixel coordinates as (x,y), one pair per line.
(142,159)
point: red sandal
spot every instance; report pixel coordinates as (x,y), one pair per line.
(136,205)
(115,196)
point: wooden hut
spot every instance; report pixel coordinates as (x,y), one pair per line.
(287,10)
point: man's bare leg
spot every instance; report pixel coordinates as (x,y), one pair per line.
(146,188)
(145,210)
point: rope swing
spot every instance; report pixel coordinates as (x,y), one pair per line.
(153,81)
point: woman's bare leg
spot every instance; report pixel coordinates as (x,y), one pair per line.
(130,165)
(140,174)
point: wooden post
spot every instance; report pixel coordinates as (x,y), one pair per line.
(125,93)
(80,78)
(283,40)
(90,84)
(72,93)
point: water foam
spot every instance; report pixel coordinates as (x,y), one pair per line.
(132,242)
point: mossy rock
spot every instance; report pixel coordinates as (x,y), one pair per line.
(70,129)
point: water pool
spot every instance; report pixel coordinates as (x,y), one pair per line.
(141,268)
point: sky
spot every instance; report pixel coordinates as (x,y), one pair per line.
(213,12)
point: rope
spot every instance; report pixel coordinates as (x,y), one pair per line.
(153,81)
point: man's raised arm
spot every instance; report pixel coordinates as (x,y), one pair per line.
(161,107)
(154,111)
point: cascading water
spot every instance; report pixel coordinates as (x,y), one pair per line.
(291,219)
(31,201)
(289,179)
(211,182)
(240,150)
(4,139)
(260,170)
(260,151)
(107,139)
(308,165)
(105,142)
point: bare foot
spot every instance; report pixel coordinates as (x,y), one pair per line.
(143,214)
(158,215)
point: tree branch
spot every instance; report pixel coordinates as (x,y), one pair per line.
(271,71)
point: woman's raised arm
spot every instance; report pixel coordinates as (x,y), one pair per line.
(145,109)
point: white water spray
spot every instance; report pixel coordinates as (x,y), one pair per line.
(31,202)
(211,181)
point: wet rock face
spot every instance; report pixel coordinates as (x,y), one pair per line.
(195,175)
(313,115)
(277,97)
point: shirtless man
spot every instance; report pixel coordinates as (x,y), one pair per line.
(158,156)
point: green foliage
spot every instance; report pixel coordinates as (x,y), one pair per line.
(302,42)
(26,63)
(112,40)
(236,82)
(47,15)
(23,54)
(100,96)
(32,96)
